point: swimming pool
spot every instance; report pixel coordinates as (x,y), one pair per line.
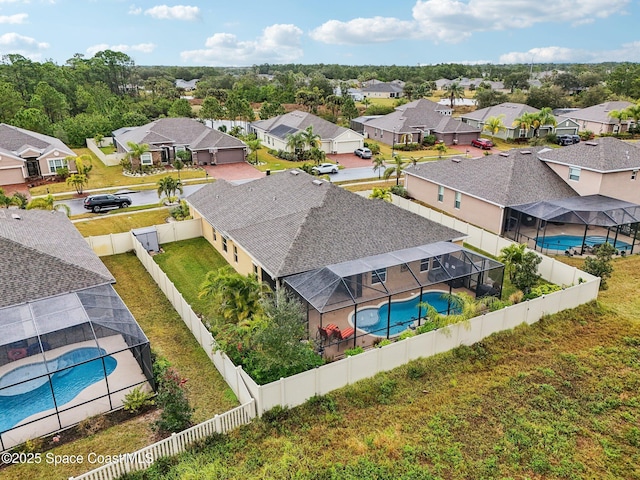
(18,402)
(373,320)
(564,242)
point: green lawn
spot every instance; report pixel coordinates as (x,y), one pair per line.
(187,263)
(102,176)
(107,224)
(556,400)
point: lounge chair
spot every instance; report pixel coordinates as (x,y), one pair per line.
(340,335)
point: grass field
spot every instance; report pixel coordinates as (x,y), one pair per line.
(555,400)
(107,224)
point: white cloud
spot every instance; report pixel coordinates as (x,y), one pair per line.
(140,47)
(26,46)
(455,20)
(178,12)
(628,52)
(133,10)
(13,19)
(278,44)
(363,31)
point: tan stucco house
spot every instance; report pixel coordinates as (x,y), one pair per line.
(166,136)
(337,251)
(413,121)
(27,155)
(274,132)
(597,120)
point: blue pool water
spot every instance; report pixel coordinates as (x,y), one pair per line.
(21,401)
(564,242)
(374,319)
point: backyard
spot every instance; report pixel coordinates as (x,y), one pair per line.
(106,224)
(558,399)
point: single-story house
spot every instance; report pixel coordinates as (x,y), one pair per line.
(415,120)
(166,136)
(337,251)
(357,124)
(382,90)
(27,155)
(509,112)
(590,185)
(597,120)
(70,348)
(187,85)
(274,132)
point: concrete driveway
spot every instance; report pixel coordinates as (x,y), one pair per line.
(233,172)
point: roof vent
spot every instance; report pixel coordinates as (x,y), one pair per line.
(15,216)
(525,152)
(593,144)
(294,172)
(317,182)
(504,154)
(455,160)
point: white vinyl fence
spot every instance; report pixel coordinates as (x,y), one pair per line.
(173,445)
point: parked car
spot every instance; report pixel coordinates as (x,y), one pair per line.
(565,140)
(97,203)
(325,168)
(363,152)
(482,143)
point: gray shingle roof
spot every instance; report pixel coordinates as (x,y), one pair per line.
(504,180)
(599,113)
(299,121)
(16,139)
(42,254)
(603,154)
(511,111)
(290,225)
(178,131)
(383,88)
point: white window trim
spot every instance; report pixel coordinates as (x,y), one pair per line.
(62,161)
(574,174)
(440,193)
(457,201)
(146,158)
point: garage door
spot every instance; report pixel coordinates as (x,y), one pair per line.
(11,176)
(230,156)
(348,147)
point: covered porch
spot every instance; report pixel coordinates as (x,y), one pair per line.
(574,226)
(362,302)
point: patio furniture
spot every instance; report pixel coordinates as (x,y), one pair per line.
(343,334)
(323,334)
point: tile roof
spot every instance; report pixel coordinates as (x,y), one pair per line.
(598,113)
(298,121)
(42,254)
(291,225)
(16,139)
(603,154)
(511,111)
(177,131)
(503,180)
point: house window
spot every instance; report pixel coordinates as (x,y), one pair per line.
(215,237)
(224,244)
(235,254)
(146,159)
(458,200)
(634,174)
(440,193)
(255,269)
(424,265)
(56,163)
(523,133)
(574,173)
(379,276)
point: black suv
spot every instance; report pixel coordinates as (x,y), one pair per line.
(96,203)
(565,140)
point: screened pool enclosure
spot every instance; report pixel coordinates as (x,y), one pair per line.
(360,302)
(65,358)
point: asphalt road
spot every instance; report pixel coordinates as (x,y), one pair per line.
(150,197)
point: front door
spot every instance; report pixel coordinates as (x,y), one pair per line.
(33,168)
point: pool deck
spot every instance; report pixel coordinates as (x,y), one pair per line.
(126,373)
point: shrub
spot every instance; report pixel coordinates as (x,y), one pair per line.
(384,342)
(136,400)
(586,135)
(374,147)
(416,371)
(600,265)
(551,138)
(407,147)
(400,191)
(172,398)
(429,140)
(350,352)
(542,290)
(92,425)
(516,297)
(378,110)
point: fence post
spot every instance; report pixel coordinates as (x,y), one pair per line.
(174,444)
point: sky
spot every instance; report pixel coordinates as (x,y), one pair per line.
(349,32)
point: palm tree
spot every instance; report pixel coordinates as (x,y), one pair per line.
(254,145)
(296,143)
(136,150)
(312,140)
(512,256)
(494,125)
(47,203)
(525,121)
(455,91)
(378,165)
(542,118)
(397,168)
(633,111)
(78,181)
(168,186)
(381,194)
(441,148)
(620,115)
